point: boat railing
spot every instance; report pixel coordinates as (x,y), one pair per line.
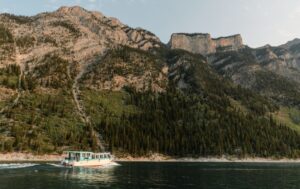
(86,156)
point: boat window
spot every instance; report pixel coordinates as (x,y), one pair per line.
(101,156)
(77,156)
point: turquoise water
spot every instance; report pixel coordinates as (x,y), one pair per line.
(153,175)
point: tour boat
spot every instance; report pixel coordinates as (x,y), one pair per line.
(86,159)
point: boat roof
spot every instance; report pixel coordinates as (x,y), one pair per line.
(71,151)
(86,152)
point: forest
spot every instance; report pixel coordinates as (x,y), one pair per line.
(213,117)
(187,125)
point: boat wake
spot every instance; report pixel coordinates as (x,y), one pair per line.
(56,165)
(16,165)
(113,164)
(109,165)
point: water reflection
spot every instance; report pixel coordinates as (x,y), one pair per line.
(154,175)
(91,175)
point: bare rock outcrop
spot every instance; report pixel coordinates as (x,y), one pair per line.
(204,44)
(74,33)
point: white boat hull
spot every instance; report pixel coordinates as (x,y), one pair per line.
(88,163)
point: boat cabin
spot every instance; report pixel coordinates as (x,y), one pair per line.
(83,156)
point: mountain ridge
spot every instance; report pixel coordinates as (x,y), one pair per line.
(75,79)
(204,44)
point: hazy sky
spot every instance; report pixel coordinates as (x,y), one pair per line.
(259,22)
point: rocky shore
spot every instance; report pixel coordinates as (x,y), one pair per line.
(28,157)
(208,159)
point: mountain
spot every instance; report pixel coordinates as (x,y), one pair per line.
(204,44)
(76,79)
(272,72)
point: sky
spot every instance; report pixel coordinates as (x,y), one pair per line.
(260,22)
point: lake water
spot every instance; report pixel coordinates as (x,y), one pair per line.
(153,175)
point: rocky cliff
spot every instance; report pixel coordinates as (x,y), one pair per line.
(76,79)
(204,44)
(271,71)
(54,56)
(73,32)
(77,36)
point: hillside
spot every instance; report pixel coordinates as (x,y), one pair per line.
(75,79)
(272,72)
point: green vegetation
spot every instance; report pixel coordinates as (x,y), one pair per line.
(237,59)
(128,63)
(5,35)
(159,101)
(203,80)
(208,116)
(294,114)
(51,71)
(203,119)
(25,42)
(178,124)
(288,116)
(295,48)
(19,19)
(238,106)
(65,24)
(47,39)
(277,87)
(244,65)
(6,43)
(2,104)
(46,123)
(9,76)
(112,102)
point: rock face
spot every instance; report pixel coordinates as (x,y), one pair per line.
(268,70)
(73,32)
(204,44)
(76,79)
(78,36)
(69,54)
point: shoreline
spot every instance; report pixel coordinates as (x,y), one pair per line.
(214,160)
(222,159)
(28,157)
